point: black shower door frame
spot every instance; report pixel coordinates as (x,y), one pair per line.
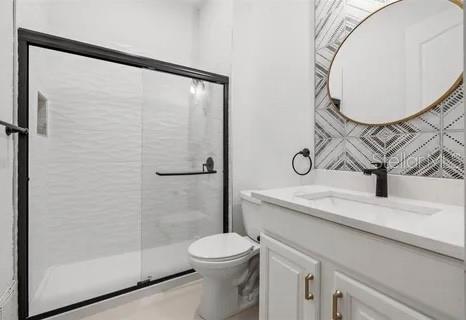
(27,38)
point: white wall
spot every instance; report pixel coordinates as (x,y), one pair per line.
(188,32)
(272,92)
(7,302)
(155,28)
(215,36)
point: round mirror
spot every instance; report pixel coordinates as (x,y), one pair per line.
(399,62)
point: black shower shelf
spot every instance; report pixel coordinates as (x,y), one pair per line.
(168,174)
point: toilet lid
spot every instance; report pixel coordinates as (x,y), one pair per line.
(220,247)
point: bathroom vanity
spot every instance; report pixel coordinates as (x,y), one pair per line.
(329,253)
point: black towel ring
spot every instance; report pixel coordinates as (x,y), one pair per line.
(307,154)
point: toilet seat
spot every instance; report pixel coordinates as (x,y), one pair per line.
(220,248)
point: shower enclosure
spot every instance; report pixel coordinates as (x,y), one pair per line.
(125,165)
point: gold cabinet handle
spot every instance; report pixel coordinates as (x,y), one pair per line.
(335,314)
(307,287)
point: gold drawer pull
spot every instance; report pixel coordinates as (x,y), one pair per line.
(335,314)
(307,287)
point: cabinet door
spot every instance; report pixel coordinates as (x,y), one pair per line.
(289,283)
(354,301)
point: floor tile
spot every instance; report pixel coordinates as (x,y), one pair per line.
(176,304)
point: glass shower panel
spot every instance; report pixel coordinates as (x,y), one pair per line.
(85,178)
(182,128)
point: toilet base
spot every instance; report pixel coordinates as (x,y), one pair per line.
(220,301)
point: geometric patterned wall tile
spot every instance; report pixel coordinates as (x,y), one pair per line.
(329,124)
(349,154)
(322,65)
(361,152)
(322,100)
(354,129)
(329,154)
(360,9)
(345,145)
(330,22)
(416,154)
(426,122)
(453,155)
(453,110)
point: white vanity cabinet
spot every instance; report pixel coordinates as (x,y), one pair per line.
(356,301)
(356,275)
(290,289)
(290,283)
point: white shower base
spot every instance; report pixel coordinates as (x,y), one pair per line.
(66,284)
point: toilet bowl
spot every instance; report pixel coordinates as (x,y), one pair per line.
(229,265)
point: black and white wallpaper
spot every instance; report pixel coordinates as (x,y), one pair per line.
(430,145)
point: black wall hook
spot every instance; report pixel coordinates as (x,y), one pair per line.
(306,153)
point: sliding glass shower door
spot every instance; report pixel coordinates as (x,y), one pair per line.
(182,121)
(126,170)
(85,178)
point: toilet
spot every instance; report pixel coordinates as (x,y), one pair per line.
(229,265)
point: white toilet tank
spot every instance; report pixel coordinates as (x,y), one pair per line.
(252,218)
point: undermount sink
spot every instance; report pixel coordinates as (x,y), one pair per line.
(340,202)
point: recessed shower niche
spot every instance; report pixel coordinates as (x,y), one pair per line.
(101,220)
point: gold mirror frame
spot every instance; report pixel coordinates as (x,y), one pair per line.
(455,85)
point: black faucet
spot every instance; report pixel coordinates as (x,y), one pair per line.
(381,189)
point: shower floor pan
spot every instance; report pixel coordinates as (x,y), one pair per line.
(63,285)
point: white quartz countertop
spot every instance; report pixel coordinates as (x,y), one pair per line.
(441,232)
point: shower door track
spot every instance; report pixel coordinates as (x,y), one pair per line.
(27,38)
